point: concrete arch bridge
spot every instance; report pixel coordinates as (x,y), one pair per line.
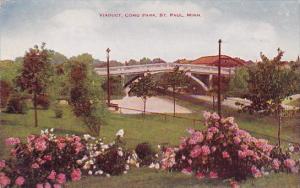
(201,74)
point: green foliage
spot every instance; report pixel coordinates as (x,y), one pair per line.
(144,88)
(35,74)
(16,104)
(238,85)
(269,84)
(85,94)
(58,112)
(116,87)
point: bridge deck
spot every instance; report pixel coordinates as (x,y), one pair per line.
(163,67)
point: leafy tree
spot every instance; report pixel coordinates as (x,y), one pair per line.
(238,85)
(86,95)
(145,60)
(144,87)
(175,80)
(35,74)
(269,83)
(116,88)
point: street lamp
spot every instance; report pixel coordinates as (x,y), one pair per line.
(108,79)
(219,79)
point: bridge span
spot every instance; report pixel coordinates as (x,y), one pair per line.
(190,70)
(163,67)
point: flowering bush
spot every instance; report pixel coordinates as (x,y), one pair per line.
(223,150)
(43,161)
(145,153)
(105,159)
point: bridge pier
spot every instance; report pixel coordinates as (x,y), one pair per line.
(210,81)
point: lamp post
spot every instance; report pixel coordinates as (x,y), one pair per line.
(219,79)
(108,78)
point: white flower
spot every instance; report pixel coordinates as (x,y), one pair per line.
(125,172)
(105,146)
(90,172)
(108,175)
(157,166)
(100,171)
(137,165)
(79,162)
(151,165)
(120,153)
(86,136)
(52,130)
(291,148)
(120,133)
(158,146)
(127,167)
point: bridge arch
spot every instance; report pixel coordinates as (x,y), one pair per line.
(203,85)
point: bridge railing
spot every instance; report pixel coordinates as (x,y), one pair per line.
(164,66)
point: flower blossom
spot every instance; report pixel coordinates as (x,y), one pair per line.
(76,174)
(61,178)
(213,175)
(40,144)
(4,180)
(200,175)
(255,172)
(52,175)
(2,164)
(187,171)
(276,164)
(20,181)
(225,155)
(12,141)
(205,150)
(290,163)
(120,133)
(196,151)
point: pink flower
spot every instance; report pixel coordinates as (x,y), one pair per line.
(215,116)
(190,130)
(205,150)
(249,152)
(213,149)
(225,154)
(39,185)
(196,151)
(200,175)
(47,157)
(4,180)
(76,138)
(213,130)
(30,138)
(52,175)
(61,145)
(35,166)
(56,186)
(209,135)
(78,147)
(290,163)
(187,171)
(40,144)
(47,185)
(12,141)
(206,115)
(255,172)
(76,174)
(20,181)
(276,164)
(2,164)
(236,140)
(61,178)
(234,184)
(213,175)
(196,137)
(241,154)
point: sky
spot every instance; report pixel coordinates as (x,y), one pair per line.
(72,27)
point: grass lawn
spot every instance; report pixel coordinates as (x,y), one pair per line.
(155,130)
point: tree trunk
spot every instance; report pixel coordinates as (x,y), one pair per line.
(213,102)
(279,124)
(145,100)
(174,101)
(35,110)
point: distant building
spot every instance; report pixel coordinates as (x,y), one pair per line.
(226,61)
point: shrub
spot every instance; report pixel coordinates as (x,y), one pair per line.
(5,91)
(43,101)
(44,160)
(145,153)
(107,159)
(223,150)
(16,105)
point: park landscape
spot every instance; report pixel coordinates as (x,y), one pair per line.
(58,128)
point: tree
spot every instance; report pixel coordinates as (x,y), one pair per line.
(238,85)
(85,95)
(116,88)
(175,79)
(269,83)
(144,87)
(35,74)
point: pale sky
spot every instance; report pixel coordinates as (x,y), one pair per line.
(72,27)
